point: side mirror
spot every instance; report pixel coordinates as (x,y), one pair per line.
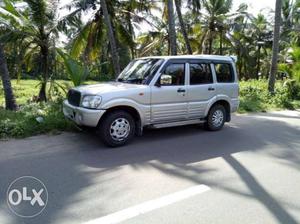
(166,80)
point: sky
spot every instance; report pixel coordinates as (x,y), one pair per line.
(255,5)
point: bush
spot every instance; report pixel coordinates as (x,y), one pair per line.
(293,89)
(254,95)
(33,119)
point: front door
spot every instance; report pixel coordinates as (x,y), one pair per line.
(169,95)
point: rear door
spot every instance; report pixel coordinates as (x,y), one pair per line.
(226,79)
(201,87)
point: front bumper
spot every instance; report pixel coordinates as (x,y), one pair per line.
(82,116)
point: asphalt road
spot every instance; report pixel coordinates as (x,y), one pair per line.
(250,170)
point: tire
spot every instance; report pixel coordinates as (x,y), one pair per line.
(86,129)
(117,128)
(216,118)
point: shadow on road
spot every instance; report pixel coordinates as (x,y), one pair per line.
(260,193)
(68,163)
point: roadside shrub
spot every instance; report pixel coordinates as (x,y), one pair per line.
(281,99)
(250,98)
(293,89)
(254,95)
(295,54)
(33,119)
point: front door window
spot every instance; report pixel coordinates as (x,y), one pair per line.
(173,75)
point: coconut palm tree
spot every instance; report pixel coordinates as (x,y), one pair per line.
(182,27)
(37,25)
(10,102)
(112,38)
(275,47)
(132,14)
(261,34)
(89,37)
(216,21)
(216,11)
(154,42)
(111,25)
(290,26)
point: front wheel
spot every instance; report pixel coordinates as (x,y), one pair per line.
(216,118)
(117,128)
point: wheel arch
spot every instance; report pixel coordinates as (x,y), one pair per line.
(129,109)
(225,104)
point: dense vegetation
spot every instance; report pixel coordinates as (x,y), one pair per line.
(46,52)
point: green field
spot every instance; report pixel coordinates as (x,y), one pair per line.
(24,90)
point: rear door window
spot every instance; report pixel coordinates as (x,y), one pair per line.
(224,72)
(200,73)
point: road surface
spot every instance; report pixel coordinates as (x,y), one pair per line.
(246,173)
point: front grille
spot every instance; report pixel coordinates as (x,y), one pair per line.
(74,97)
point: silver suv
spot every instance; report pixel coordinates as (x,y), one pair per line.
(158,92)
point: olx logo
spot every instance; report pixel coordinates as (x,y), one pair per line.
(27,196)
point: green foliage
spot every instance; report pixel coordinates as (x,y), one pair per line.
(33,119)
(254,95)
(293,88)
(76,70)
(283,67)
(296,63)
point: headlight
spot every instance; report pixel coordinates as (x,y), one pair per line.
(91,101)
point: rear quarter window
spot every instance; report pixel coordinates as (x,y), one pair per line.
(224,72)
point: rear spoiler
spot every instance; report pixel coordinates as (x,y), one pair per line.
(234,58)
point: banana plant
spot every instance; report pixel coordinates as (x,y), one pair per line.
(76,70)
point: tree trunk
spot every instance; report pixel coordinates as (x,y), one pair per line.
(210,42)
(112,39)
(275,47)
(10,101)
(42,97)
(172,31)
(183,29)
(221,42)
(258,62)
(131,32)
(211,36)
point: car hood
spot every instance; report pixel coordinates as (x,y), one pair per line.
(108,87)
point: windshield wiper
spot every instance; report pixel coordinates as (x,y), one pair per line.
(135,80)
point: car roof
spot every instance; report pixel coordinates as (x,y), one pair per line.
(200,56)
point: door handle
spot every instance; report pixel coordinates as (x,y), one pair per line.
(181,90)
(211,88)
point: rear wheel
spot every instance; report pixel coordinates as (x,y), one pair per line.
(117,128)
(216,118)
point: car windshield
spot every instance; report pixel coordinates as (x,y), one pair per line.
(140,71)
